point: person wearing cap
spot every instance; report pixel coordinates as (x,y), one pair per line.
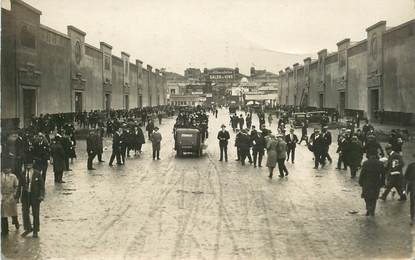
(156,141)
(396,141)
(58,156)
(32,194)
(394,169)
(373,147)
(291,140)
(223,137)
(281,155)
(341,146)
(304,136)
(272,156)
(10,192)
(41,153)
(355,154)
(410,187)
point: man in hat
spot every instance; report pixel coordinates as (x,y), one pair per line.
(394,168)
(327,142)
(410,187)
(259,145)
(33,192)
(116,147)
(316,145)
(92,148)
(156,141)
(41,153)
(291,140)
(58,156)
(223,137)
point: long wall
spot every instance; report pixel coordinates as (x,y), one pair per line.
(375,74)
(46,71)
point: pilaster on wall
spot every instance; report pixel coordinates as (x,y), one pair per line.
(340,83)
(77,37)
(139,64)
(126,71)
(106,50)
(374,54)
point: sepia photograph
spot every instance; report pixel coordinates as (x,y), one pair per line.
(212,130)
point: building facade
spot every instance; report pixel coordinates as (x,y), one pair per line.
(46,71)
(375,74)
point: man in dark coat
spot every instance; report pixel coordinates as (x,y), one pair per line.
(259,144)
(410,187)
(354,155)
(92,148)
(33,192)
(291,140)
(237,144)
(370,180)
(248,121)
(373,147)
(156,143)
(66,144)
(316,145)
(58,156)
(223,137)
(244,146)
(124,143)
(304,136)
(327,142)
(116,147)
(241,122)
(41,153)
(150,128)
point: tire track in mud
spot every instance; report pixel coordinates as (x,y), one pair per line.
(132,243)
(183,224)
(263,207)
(223,215)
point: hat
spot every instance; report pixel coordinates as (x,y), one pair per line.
(388,147)
(223,125)
(156,128)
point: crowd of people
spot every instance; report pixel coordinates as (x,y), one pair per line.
(50,139)
(26,156)
(382,167)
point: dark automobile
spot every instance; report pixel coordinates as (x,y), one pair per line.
(298,119)
(188,140)
(316,116)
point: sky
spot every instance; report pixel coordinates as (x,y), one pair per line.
(175,34)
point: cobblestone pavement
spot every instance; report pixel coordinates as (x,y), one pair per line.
(200,208)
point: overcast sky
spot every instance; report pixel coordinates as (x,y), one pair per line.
(176,34)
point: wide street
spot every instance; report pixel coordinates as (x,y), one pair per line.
(200,208)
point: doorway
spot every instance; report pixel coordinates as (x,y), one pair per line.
(107,102)
(321,100)
(29,106)
(374,102)
(78,101)
(126,105)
